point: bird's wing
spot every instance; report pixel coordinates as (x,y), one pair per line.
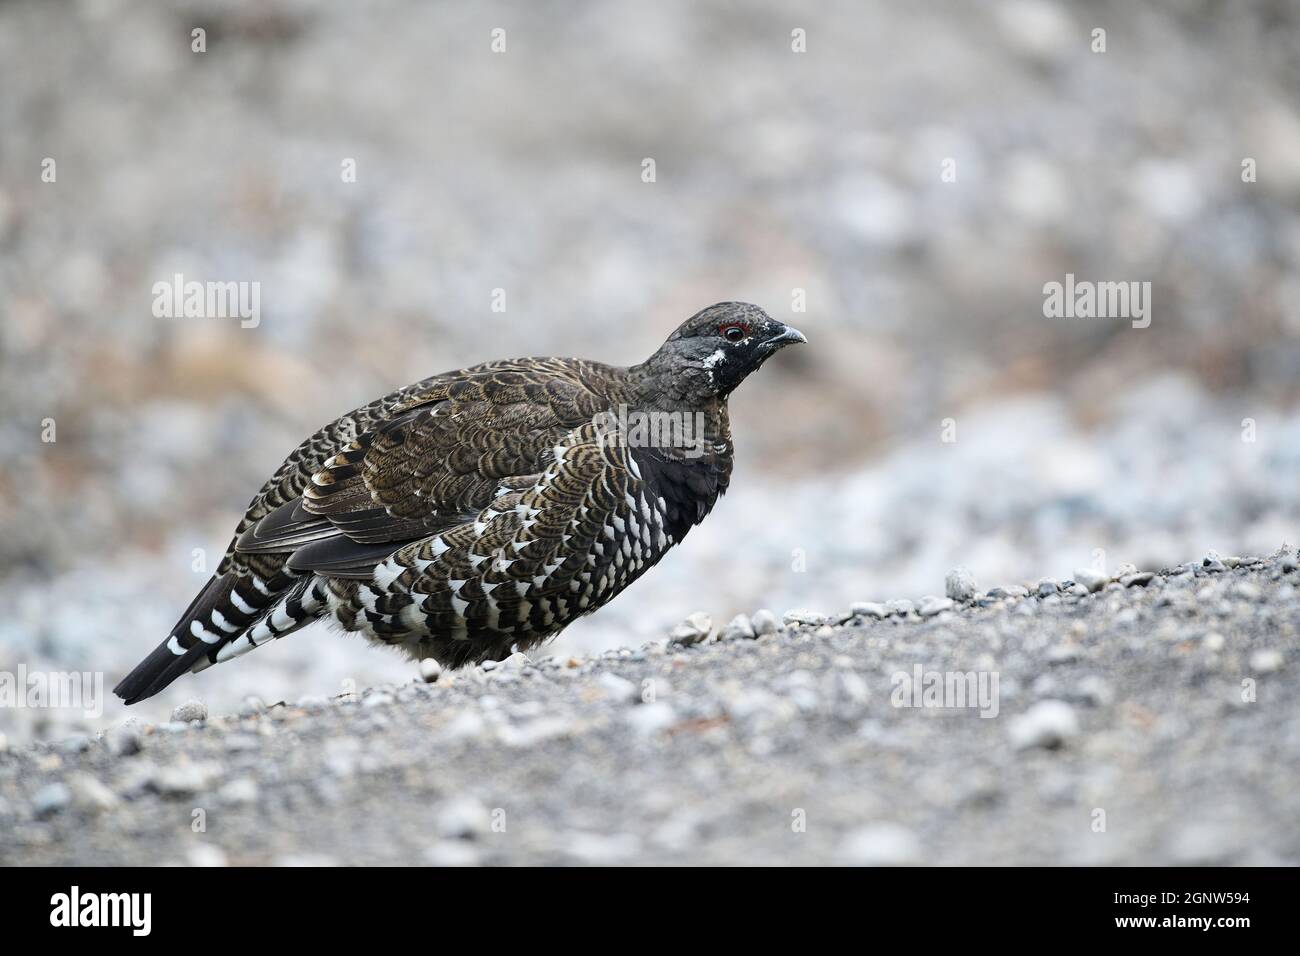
(434,461)
(561,544)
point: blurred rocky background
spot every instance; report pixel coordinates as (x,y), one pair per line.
(1077,441)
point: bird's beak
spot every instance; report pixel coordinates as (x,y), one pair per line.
(787,336)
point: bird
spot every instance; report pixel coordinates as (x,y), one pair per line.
(479,512)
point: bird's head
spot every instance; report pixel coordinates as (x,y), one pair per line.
(715,349)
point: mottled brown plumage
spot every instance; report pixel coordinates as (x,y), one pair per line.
(481,509)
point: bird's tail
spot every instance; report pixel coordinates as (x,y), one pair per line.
(230,611)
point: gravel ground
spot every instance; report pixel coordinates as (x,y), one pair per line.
(1149,719)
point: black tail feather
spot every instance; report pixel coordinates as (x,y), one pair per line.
(156,671)
(182,650)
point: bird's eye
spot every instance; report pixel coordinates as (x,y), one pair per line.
(733,333)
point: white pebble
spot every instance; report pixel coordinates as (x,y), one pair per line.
(618,688)
(91,794)
(931,605)
(1266,661)
(205,854)
(239,791)
(739,628)
(125,739)
(870,609)
(650,719)
(881,844)
(191,712)
(50,799)
(1048,723)
(801,615)
(461,818)
(1091,579)
(692,630)
(959,585)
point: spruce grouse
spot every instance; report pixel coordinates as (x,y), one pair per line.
(480,510)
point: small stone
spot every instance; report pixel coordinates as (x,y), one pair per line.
(881,844)
(205,854)
(1212,562)
(765,622)
(852,687)
(529,734)
(1048,723)
(77,744)
(516,662)
(90,794)
(51,799)
(451,853)
(1213,641)
(959,585)
(650,719)
(429,670)
(1016,591)
(1062,654)
(1094,691)
(1231,561)
(598,849)
(1046,586)
(193,711)
(901,607)
(1266,661)
(930,606)
(694,629)
(239,791)
(617,688)
(740,628)
(1287,563)
(466,725)
(1091,579)
(1137,579)
(241,743)
(182,779)
(461,818)
(870,609)
(125,739)
(802,616)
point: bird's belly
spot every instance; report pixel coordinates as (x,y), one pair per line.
(466,609)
